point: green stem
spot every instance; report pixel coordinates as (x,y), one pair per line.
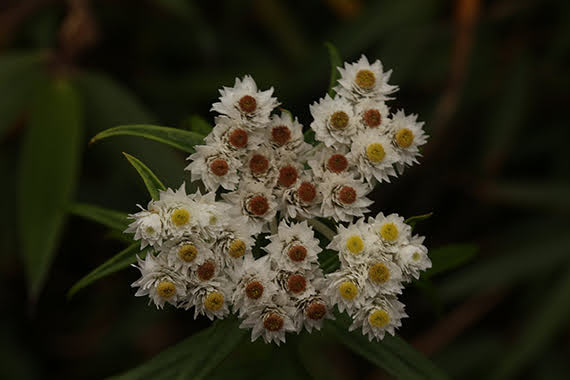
(322,228)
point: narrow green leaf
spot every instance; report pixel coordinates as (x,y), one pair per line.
(116,263)
(336,62)
(116,220)
(151,181)
(48,172)
(449,257)
(392,353)
(549,321)
(413,220)
(197,124)
(195,357)
(329,261)
(178,138)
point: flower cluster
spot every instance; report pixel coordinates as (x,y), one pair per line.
(199,247)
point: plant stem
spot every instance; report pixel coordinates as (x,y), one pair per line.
(322,228)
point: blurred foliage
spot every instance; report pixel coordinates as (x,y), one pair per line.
(489,78)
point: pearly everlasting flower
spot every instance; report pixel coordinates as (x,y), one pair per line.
(286,134)
(407,136)
(234,242)
(413,259)
(378,317)
(391,230)
(294,247)
(362,80)
(271,322)
(148,226)
(372,115)
(301,200)
(210,299)
(343,197)
(328,160)
(345,289)
(186,253)
(245,104)
(374,156)
(383,276)
(334,121)
(311,311)
(254,286)
(260,166)
(354,243)
(214,166)
(161,282)
(237,139)
(254,201)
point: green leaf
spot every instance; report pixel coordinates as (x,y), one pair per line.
(336,62)
(392,353)
(48,173)
(549,321)
(449,257)
(116,263)
(309,136)
(116,220)
(178,138)
(151,181)
(411,221)
(195,357)
(196,123)
(329,261)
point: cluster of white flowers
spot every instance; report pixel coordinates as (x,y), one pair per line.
(199,247)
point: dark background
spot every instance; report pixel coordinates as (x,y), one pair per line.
(489,78)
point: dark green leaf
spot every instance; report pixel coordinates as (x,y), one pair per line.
(336,62)
(116,263)
(417,218)
(48,172)
(309,136)
(197,124)
(392,353)
(195,357)
(329,261)
(448,257)
(151,181)
(178,138)
(113,219)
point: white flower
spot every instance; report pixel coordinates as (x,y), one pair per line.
(260,166)
(210,299)
(345,289)
(391,230)
(294,247)
(372,114)
(362,80)
(289,168)
(214,167)
(407,136)
(159,281)
(285,133)
(374,156)
(236,138)
(271,322)
(311,311)
(244,103)
(378,317)
(328,160)
(208,271)
(254,201)
(334,121)
(148,226)
(254,285)
(182,214)
(186,253)
(234,241)
(354,243)
(413,259)
(343,197)
(383,276)
(302,200)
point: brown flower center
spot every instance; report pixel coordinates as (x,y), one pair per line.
(206,271)
(238,138)
(307,192)
(254,290)
(296,283)
(219,167)
(316,311)
(337,163)
(273,322)
(258,205)
(248,104)
(258,164)
(287,176)
(281,134)
(347,195)
(339,120)
(297,253)
(372,118)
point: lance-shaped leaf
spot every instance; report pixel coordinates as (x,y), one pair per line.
(178,138)
(151,181)
(336,62)
(116,220)
(193,358)
(116,263)
(411,221)
(48,172)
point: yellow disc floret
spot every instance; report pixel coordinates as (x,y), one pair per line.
(365,79)
(355,244)
(348,290)
(375,152)
(389,231)
(379,318)
(187,252)
(416,256)
(237,248)
(404,138)
(180,216)
(214,301)
(379,273)
(166,289)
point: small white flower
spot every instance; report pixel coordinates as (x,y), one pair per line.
(354,243)
(244,103)
(383,276)
(334,121)
(413,259)
(236,138)
(311,311)
(328,160)
(211,300)
(214,167)
(372,114)
(183,254)
(362,80)
(391,230)
(286,134)
(294,247)
(302,200)
(234,242)
(271,322)
(407,136)
(161,282)
(374,156)
(378,317)
(345,289)
(182,215)
(260,166)
(343,197)
(254,201)
(148,227)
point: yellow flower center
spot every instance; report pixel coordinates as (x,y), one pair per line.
(149,230)
(389,231)
(180,216)
(237,248)
(379,273)
(375,152)
(187,252)
(365,79)
(404,138)
(339,120)
(379,318)
(214,301)
(348,290)
(213,220)
(355,244)
(416,256)
(166,289)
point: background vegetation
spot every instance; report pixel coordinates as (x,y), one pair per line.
(489,78)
